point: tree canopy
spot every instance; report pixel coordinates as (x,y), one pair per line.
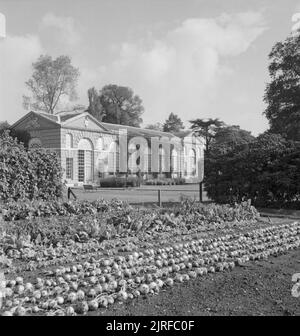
(207,129)
(228,137)
(52,80)
(95,108)
(116,105)
(282,94)
(157,126)
(267,171)
(173,124)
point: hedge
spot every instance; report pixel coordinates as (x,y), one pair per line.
(28,175)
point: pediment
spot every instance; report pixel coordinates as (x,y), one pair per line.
(84,122)
(34,121)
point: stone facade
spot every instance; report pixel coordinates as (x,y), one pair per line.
(89,149)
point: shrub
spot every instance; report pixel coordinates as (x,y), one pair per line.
(27,175)
(267,171)
(119,182)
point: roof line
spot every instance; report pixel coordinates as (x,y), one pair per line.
(78,116)
(34,113)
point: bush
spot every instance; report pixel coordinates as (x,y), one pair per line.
(119,182)
(28,175)
(166,181)
(267,171)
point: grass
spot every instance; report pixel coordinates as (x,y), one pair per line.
(144,194)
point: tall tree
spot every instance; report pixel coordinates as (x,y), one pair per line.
(156,127)
(282,94)
(52,80)
(228,137)
(207,129)
(173,124)
(95,108)
(121,105)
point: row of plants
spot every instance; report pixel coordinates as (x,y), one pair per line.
(212,212)
(12,211)
(117,220)
(90,281)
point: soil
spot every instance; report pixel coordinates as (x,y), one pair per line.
(260,288)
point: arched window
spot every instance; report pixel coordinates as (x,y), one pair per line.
(112,158)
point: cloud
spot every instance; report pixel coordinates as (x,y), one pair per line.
(62,28)
(17,53)
(182,71)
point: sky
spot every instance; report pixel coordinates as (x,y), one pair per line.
(195,58)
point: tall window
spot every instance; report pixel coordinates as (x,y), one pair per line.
(81,165)
(69,168)
(192,162)
(85,160)
(161,162)
(174,160)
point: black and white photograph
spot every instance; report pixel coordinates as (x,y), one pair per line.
(149,161)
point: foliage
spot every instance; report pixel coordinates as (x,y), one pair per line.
(15,211)
(95,108)
(156,127)
(52,80)
(119,182)
(21,135)
(223,213)
(120,105)
(267,171)
(93,219)
(207,129)
(228,137)
(173,124)
(28,174)
(30,209)
(282,94)
(4,125)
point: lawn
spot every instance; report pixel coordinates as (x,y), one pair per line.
(144,194)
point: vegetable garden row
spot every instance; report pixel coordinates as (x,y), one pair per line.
(70,265)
